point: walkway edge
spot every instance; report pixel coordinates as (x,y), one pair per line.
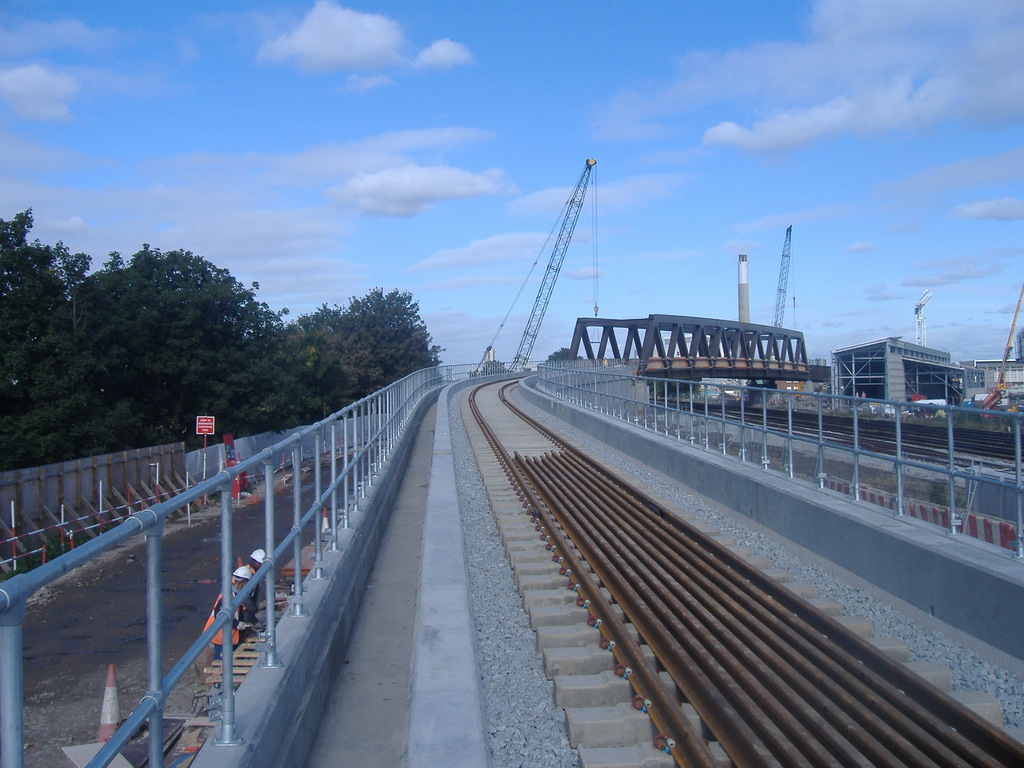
(446,717)
(278,711)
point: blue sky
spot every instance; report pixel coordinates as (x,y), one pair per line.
(322,149)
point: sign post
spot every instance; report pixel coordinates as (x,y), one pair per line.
(205,427)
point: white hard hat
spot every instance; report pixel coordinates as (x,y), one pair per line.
(242,573)
(258,555)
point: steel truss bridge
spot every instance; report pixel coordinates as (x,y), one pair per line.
(679,347)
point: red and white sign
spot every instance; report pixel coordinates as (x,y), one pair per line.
(204,425)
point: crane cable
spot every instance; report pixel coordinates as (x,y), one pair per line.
(529,274)
(593,237)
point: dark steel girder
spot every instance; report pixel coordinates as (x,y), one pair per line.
(680,347)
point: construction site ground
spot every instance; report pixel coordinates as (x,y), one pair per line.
(95,616)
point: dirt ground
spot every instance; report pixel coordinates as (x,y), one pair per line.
(96,616)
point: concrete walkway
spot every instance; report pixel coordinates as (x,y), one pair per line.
(364,722)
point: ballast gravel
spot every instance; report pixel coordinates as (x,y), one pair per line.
(525,728)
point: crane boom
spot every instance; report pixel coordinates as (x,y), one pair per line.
(547,285)
(995,395)
(922,328)
(780,296)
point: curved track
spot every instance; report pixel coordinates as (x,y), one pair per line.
(693,627)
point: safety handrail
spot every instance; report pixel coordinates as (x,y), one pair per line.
(374,425)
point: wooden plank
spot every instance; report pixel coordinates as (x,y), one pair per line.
(307,563)
(121,500)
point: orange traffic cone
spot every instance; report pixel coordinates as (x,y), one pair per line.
(110,716)
(325,526)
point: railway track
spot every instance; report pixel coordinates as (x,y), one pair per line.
(711,660)
(919,441)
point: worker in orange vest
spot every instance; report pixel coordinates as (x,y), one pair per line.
(241,619)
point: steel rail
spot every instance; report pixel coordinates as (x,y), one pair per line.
(683,742)
(865,709)
(775,686)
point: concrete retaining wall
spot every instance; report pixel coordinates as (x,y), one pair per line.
(970,586)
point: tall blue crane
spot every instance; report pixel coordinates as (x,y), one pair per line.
(780,296)
(547,285)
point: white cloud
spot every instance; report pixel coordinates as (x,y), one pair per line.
(583,273)
(366,83)
(35,93)
(736,247)
(410,189)
(332,38)
(322,163)
(32,37)
(951,272)
(1003,209)
(859,248)
(783,220)
(443,54)
(620,195)
(1002,168)
(508,247)
(866,67)
(881,292)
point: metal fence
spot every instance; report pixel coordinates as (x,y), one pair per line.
(855,446)
(353,444)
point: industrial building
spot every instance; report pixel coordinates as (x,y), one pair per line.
(893,369)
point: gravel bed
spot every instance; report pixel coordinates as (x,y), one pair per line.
(526,729)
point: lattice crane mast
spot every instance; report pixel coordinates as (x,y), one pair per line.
(547,285)
(922,326)
(780,296)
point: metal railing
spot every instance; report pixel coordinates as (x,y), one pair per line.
(823,439)
(353,443)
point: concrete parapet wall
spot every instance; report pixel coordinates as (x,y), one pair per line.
(278,711)
(967,585)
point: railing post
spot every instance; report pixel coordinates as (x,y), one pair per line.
(317,573)
(707,419)
(951,468)
(154,640)
(226,736)
(855,483)
(791,457)
(900,501)
(361,452)
(765,462)
(1019,486)
(333,546)
(743,422)
(270,659)
(820,473)
(12,714)
(345,465)
(298,611)
(721,433)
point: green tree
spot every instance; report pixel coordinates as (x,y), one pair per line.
(127,356)
(180,338)
(562,354)
(316,347)
(346,353)
(44,359)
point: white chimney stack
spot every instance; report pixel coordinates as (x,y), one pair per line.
(744,290)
